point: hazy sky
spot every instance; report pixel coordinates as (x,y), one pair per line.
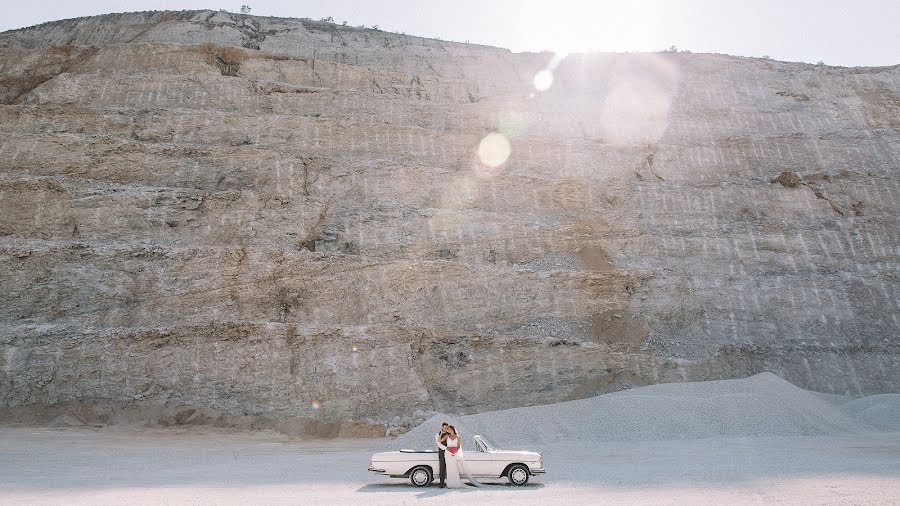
(849,32)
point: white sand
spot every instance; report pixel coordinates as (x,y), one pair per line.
(80,466)
(758,440)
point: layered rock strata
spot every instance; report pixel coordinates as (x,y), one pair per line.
(288,218)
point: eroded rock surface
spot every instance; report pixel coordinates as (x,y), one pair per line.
(286,218)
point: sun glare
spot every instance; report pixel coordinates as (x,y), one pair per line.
(579,27)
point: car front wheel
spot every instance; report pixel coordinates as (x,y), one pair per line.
(518,475)
(420,477)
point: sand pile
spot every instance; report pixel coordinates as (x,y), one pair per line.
(882,410)
(762,405)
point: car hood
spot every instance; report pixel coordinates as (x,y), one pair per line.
(518,455)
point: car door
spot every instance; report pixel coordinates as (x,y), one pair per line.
(476,461)
(499,461)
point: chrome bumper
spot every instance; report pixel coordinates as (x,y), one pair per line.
(540,470)
(376,470)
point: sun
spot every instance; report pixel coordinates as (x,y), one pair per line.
(579,27)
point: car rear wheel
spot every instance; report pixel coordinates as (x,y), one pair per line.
(518,475)
(420,476)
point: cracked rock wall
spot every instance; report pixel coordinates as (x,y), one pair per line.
(288,218)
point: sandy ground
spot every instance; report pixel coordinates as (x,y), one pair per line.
(112,466)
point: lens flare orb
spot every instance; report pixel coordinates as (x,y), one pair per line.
(543,80)
(494,150)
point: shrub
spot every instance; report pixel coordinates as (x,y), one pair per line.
(227,59)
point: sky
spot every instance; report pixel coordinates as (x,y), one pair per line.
(846,33)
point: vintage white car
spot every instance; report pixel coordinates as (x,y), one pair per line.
(480,461)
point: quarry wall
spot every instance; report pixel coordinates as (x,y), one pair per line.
(289,218)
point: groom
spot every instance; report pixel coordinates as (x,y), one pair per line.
(441,439)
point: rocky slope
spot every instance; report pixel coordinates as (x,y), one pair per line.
(290,219)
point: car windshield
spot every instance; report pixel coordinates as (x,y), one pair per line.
(487,446)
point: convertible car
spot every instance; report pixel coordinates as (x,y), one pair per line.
(480,461)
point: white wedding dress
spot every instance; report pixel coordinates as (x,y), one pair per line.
(453,464)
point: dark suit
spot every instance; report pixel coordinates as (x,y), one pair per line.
(442,462)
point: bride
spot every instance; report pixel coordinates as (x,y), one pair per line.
(454,458)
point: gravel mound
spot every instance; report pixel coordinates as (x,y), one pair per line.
(882,410)
(761,405)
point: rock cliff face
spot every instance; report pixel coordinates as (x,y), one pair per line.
(287,218)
